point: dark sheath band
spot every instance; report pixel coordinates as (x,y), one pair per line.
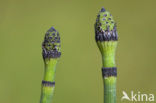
(109,71)
(48,83)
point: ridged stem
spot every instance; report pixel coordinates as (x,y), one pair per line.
(110,90)
(47,91)
(106,37)
(108,58)
(50,68)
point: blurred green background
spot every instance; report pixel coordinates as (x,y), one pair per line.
(23,24)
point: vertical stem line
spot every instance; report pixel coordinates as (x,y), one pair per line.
(106,37)
(47,90)
(51,52)
(110,90)
(108,58)
(50,69)
(46,94)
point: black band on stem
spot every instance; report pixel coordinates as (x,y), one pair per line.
(109,71)
(48,83)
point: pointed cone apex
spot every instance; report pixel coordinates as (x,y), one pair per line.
(105,27)
(103,9)
(51,44)
(52,29)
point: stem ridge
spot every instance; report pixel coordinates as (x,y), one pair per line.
(51,52)
(106,37)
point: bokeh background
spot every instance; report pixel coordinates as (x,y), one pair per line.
(23,24)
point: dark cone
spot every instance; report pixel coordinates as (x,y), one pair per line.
(51,44)
(105,27)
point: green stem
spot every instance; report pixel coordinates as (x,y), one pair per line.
(47,91)
(108,58)
(106,37)
(50,68)
(110,90)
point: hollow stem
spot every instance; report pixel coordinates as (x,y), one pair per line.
(50,68)
(51,53)
(106,37)
(47,90)
(110,89)
(108,59)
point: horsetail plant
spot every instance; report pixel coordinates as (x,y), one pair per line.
(51,53)
(106,38)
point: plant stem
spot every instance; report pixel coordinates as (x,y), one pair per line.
(50,68)
(106,38)
(48,89)
(110,90)
(108,58)
(108,49)
(51,53)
